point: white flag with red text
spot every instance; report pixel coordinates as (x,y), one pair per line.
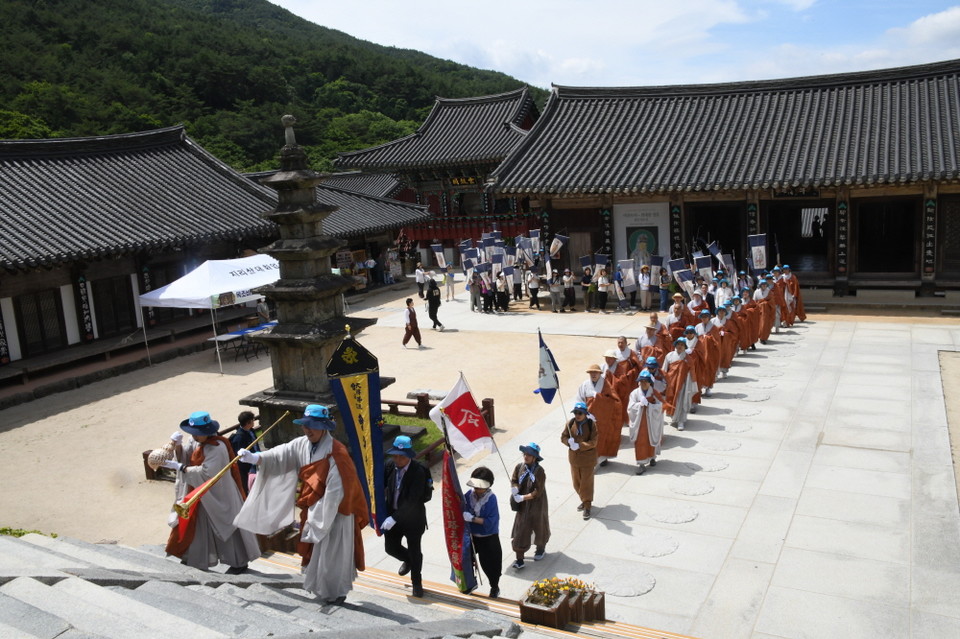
(459,415)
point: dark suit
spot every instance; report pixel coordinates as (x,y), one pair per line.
(409,513)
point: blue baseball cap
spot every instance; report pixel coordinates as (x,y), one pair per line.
(652,360)
(691,329)
(402,445)
(580,407)
(704,312)
(680,340)
(645,375)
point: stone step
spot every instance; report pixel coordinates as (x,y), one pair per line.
(147,562)
(29,620)
(155,620)
(423,630)
(77,612)
(83,551)
(398,608)
(241,601)
(16,554)
(305,606)
(234,621)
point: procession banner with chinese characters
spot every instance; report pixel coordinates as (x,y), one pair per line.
(455,531)
(354,374)
(758,250)
(458,416)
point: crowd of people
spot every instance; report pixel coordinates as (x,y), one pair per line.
(659,379)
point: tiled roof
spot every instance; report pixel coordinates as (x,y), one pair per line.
(457,132)
(891,126)
(359,212)
(377,184)
(63,200)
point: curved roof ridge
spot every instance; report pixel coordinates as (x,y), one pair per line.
(799,83)
(119,142)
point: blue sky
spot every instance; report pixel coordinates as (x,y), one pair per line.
(653,42)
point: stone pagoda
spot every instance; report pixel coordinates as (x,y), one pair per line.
(308,296)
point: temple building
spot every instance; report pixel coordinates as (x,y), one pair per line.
(853,177)
(445,164)
(89,224)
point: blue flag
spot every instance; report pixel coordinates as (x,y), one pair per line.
(548,372)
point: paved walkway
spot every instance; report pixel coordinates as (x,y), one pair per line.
(812,496)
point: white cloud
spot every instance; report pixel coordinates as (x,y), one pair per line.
(641,42)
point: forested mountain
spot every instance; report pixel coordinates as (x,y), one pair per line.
(227,69)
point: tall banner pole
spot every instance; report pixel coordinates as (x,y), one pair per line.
(354,374)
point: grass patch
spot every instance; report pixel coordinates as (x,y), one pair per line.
(431,435)
(20,532)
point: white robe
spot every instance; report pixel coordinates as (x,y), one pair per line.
(270,507)
(216,538)
(588,389)
(638,403)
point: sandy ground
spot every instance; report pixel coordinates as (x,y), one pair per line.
(72,461)
(950,375)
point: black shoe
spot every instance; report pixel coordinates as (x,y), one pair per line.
(653,462)
(404,569)
(494,592)
(236,570)
(417,590)
(580,508)
(641,469)
(586,513)
(337,601)
(603,463)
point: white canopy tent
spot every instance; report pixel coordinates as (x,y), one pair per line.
(213,284)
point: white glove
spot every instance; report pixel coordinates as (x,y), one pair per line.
(388,523)
(518,498)
(249,457)
(171,464)
(173,519)
(573,444)
(467,517)
(177,437)
(514,490)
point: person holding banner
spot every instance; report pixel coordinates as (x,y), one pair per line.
(316,474)
(664,290)
(580,435)
(587,286)
(448,281)
(528,488)
(405,486)
(533,285)
(209,536)
(482,515)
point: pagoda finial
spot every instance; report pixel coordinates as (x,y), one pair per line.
(288,121)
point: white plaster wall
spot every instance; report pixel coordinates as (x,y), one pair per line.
(70,323)
(135,287)
(10,328)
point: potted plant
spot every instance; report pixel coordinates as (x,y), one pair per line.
(558,600)
(545,604)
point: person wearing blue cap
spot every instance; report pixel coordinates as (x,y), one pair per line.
(681,386)
(645,410)
(315,474)
(406,486)
(581,435)
(528,488)
(729,335)
(722,294)
(767,308)
(652,366)
(211,536)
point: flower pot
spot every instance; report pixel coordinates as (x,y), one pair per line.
(599,606)
(554,616)
(575,605)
